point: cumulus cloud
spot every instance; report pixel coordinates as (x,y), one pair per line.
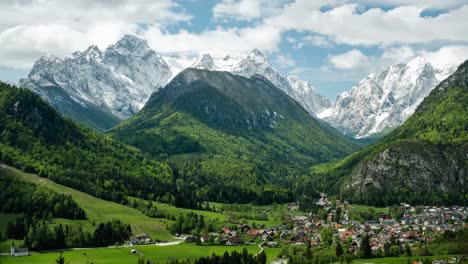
(348,24)
(285,60)
(30,28)
(449,55)
(218,42)
(349,60)
(22,44)
(429,4)
(246,9)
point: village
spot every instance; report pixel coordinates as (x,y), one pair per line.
(414,225)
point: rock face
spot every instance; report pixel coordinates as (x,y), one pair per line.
(410,168)
(308,95)
(301,91)
(117,81)
(425,160)
(383,101)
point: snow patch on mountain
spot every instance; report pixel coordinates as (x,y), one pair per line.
(119,79)
(383,101)
(256,63)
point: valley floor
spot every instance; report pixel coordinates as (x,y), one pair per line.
(223,215)
(123,254)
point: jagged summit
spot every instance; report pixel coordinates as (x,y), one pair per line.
(257,56)
(117,81)
(383,101)
(205,61)
(131,44)
(120,79)
(255,62)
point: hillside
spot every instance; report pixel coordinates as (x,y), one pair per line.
(423,161)
(239,135)
(35,138)
(96,209)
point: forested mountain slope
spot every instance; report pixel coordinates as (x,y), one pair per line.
(35,138)
(232,137)
(424,161)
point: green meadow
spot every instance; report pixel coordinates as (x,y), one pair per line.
(365,208)
(124,256)
(98,210)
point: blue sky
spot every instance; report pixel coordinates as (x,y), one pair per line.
(330,43)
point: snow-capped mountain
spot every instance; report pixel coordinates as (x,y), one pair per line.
(257,63)
(308,94)
(118,80)
(383,101)
(95,86)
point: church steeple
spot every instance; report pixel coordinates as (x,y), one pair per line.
(13,249)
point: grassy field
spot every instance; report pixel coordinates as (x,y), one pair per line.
(365,208)
(274,213)
(98,210)
(272,253)
(123,255)
(168,209)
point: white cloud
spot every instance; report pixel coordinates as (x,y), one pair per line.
(31,28)
(285,60)
(398,54)
(246,9)
(348,24)
(218,42)
(429,4)
(354,65)
(349,60)
(450,55)
(313,40)
(21,45)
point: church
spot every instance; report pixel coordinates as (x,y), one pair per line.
(18,252)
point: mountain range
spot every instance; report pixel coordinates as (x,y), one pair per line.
(383,101)
(101,88)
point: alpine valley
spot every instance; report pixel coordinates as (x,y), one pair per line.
(126,155)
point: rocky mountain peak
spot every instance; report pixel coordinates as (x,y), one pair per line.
(118,81)
(205,61)
(257,57)
(92,53)
(384,100)
(131,44)
(302,85)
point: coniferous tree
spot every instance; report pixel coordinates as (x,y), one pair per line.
(366,251)
(339,250)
